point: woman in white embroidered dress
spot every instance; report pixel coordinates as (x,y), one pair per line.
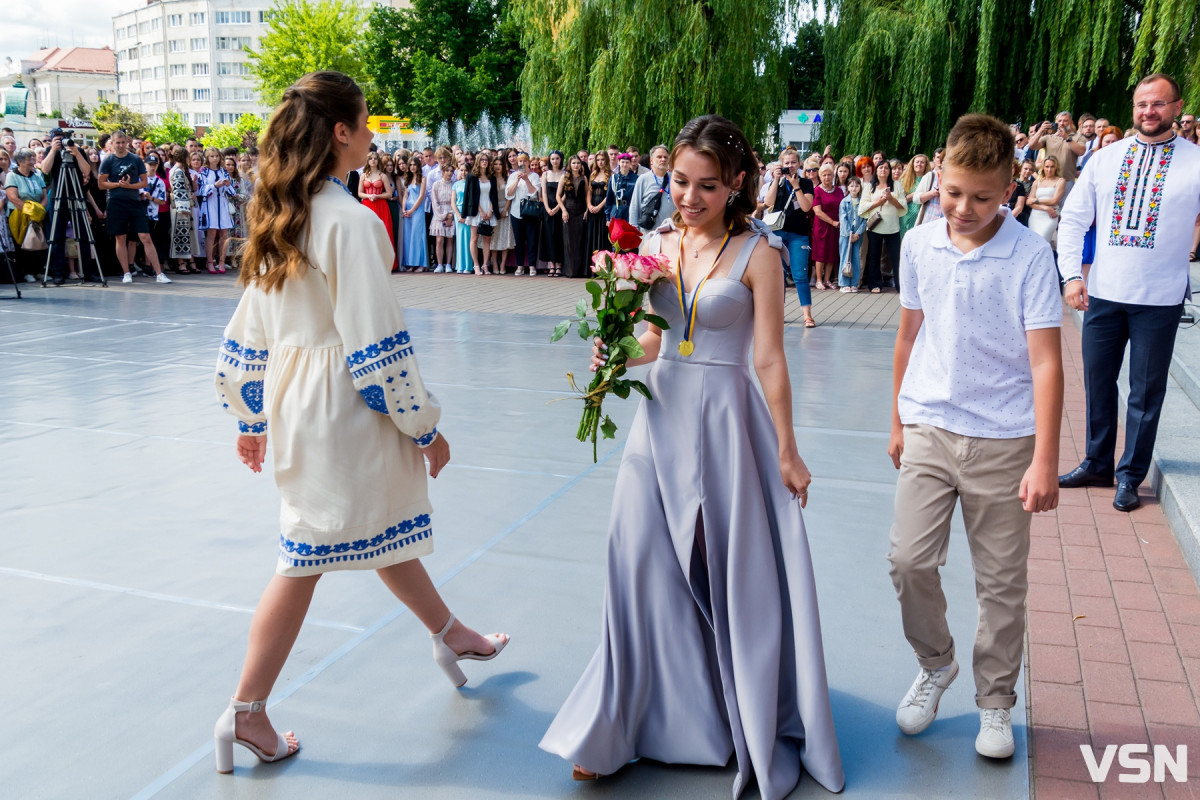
(213,190)
(318,350)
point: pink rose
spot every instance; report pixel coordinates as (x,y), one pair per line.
(600,260)
(651,269)
(624,284)
(623,265)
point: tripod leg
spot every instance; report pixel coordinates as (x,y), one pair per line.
(83,228)
(11,273)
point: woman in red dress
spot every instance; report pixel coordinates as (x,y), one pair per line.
(827,196)
(375,188)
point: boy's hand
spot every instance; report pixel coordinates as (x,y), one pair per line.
(896,447)
(1039,489)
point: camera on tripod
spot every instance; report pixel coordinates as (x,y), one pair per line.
(68,141)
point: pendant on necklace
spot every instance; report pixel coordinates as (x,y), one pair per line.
(686,348)
(695,254)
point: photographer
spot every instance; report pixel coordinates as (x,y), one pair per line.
(123,175)
(792,194)
(51,167)
(1062,142)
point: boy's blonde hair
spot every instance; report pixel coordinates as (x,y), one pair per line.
(980,143)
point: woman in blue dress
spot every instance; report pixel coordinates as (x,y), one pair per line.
(711,642)
(213,190)
(462,230)
(415,255)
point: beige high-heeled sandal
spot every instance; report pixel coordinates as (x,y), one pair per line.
(448,660)
(225,736)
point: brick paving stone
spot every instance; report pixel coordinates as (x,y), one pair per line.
(1114,523)
(1057,789)
(1112,789)
(1146,626)
(1056,753)
(1048,627)
(1089,582)
(1162,551)
(1080,535)
(1121,544)
(1168,703)
(1187,637)
(1102,644)
(1174,580)
(1181,608)
(1076,515)
(1043,525)
(1055,664)
(1112,723)
(1078,557)
(1172,736)
(1087,610)
(1122,568)
(1109,683)
(1044,571)
(1156,662)
(1140,596)
(1063,700)
(1045,547)
(1048,597)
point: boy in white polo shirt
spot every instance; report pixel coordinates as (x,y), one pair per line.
(977,401)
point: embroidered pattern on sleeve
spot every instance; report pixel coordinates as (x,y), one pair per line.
(243,357)
(427,439)
(387,350)
(258,427)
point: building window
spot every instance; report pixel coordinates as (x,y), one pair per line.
(235,94)
(155,24)
(131,31)
(178,70)
(200,69)
(199,44)
(147,74)
(120,34)
(156,49)
(101,96)
(226,118)
(160,95)
(179,95)
(203,118)
(159,72)
(233,68)
(196,18)
(175,21)
(145,51)
(187,117)
(233,17)
(177,46)
(233,42)
(144,27)
(131,52)
(200,94)
(147,97)
(265,15)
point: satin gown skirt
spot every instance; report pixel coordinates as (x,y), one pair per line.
(711,638)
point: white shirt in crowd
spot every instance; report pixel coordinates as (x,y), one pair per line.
(1144,199)
(969,371)
(516,190)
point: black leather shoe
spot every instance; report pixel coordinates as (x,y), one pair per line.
(1126,498)
(1082,477)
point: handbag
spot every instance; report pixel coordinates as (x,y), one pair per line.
(486,229)
(648,213)
(34,238)
(874,220)
(34,210)
(532,208)
(847,269)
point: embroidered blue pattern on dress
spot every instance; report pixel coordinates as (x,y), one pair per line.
(386,351)
(373,395)
(407,532)
(252,393)
(427,439)
(243,357)
(258,427)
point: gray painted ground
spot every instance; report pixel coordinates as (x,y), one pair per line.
(135,547)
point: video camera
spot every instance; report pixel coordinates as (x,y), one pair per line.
(68,137)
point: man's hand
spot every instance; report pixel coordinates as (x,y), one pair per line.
(56,144)
(1076,295)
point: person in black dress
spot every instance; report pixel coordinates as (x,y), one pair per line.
(551,247)
(597,222)
(573,198)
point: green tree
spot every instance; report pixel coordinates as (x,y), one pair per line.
(234,135)
(305,36)
(899,72)
(442,60)
(170,128)
(607,71)
(806,66)
(110,117)
(80,111)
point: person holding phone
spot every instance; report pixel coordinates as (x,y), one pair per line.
(123,176)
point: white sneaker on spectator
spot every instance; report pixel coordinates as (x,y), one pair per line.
(161,278)
(919,707)
(995,739)
(127,277)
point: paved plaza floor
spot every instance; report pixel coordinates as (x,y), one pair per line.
(135,547)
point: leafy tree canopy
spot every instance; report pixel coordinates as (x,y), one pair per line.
(442,60)
(170,128)
(223,136)
(615,71)
(309,35)
(110,117)
(806,66)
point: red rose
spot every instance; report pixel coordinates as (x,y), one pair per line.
(623,235)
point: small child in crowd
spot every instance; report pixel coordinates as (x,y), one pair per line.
(851,227)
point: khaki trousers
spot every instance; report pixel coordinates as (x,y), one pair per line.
(937,468)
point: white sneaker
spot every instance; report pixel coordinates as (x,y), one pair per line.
(438,268)
(161,278)
(127,277)
(995,739)
(919,707)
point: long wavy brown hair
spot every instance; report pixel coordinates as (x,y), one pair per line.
(296,153)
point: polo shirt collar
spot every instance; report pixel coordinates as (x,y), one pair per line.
(1001,245)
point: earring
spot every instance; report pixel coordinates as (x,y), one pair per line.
(732,196)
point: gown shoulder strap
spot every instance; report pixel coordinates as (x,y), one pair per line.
(743,259)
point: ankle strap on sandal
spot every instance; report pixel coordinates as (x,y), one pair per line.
(254,706)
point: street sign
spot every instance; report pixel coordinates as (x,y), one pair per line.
(385,125)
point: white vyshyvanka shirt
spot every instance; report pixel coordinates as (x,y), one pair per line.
(327,361)
(1144,199)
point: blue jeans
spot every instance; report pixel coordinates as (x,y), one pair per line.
(854,249)
(798,252)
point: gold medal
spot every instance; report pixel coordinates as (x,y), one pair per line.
(686,348)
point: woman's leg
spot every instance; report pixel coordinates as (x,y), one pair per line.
(892,242)
(486,243)
(410,583)
(519,231)
(223,236)
(210,255)
(475,250)
(273,630)
(797,246)
(874,254)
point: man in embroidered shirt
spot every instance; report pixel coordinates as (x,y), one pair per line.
(1144,195)
(977,402)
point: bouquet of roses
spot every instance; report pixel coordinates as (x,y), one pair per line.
(617,294)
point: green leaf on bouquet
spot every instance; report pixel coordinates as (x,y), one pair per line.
(581,308)
(595,290)
(560,330)
(585,331)
(608,427)
(632,347)
(620,389)
(639,316)
(641,389)
(624,298)
(657,320)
